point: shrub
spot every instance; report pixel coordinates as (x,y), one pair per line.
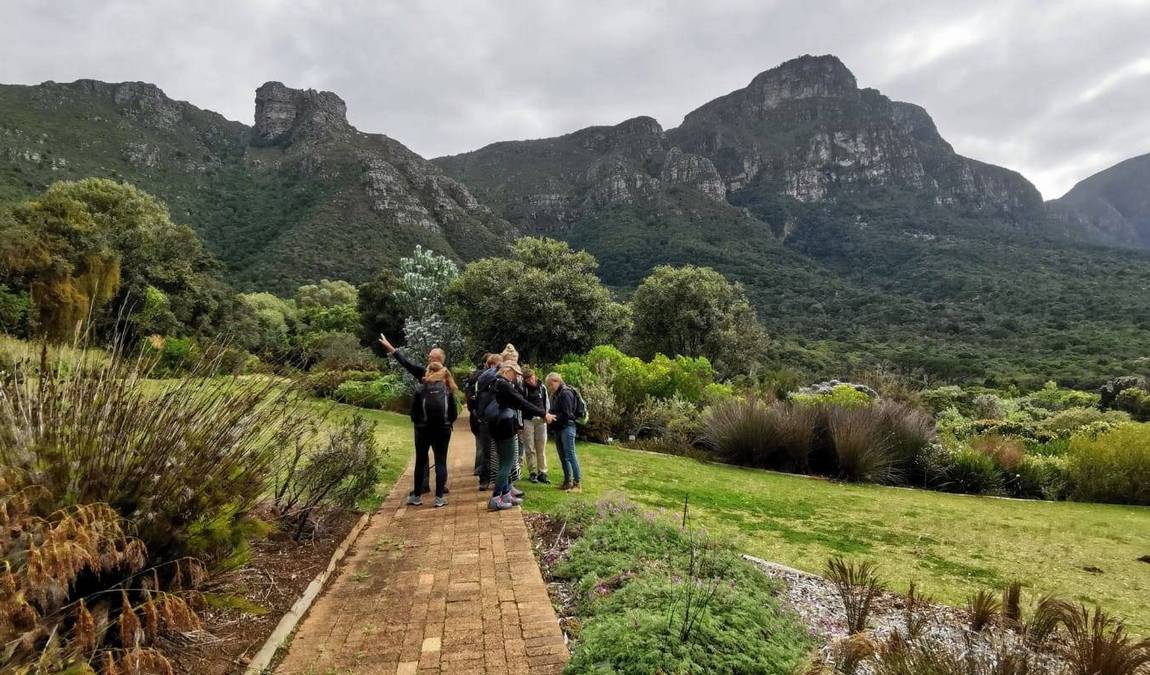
(339,351)
(642,580)
(839,396)
(197,450)
(942,398)
(1066,423)
(742,431)
(337,475)
(1099,643)
(673,423)
(988,407)
(324,383)
(382,393)
(969,471)
(1135,401)
(858,586)
(1041,477)
(1051,397)
(982,608)
(862,451)
(604,416)
(1007,453)
(907,432)
(751,432)
(1112,467)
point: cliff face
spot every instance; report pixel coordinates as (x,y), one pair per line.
(802,131)
(299,196)
(1112,206)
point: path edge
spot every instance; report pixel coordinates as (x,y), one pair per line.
(291,619)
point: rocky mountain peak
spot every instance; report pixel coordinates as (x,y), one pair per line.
(803,77)
(282,112)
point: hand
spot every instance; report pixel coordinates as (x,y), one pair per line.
(549,418)
(386,345)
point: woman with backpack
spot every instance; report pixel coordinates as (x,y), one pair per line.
(502,418)
(567,408)
(433,412)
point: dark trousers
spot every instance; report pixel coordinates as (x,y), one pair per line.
(485,455)
(436,439)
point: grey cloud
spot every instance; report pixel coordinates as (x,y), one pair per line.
(1007,82)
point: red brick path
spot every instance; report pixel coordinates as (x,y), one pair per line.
(426,590)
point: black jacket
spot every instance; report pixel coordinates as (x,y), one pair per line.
(536,395)
(563,405)
(508,397)
(417,371)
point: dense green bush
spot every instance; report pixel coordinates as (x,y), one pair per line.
(383,393)
(1112,467)
(1135,401)
(323,383)
(840,396)
(1041,477)
(965,470)
(654,597)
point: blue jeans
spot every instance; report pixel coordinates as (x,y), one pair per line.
(565,441)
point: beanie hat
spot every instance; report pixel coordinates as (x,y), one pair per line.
(510,355)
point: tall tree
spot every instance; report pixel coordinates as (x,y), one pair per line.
(92,247)
(695,311)
(545,299)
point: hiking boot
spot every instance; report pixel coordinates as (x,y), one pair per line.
(414,500)
(440,501)
(534,478)
(542,478)
(575,487)
(498,504)
(565,486)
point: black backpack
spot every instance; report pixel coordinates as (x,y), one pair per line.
(484,391)
(434,403)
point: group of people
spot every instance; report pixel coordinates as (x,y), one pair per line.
(511,414)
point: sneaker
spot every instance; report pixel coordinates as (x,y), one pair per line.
(542,478)
(515,501)
(534,478)
(440,501)
(565,486)
(497,504)
(414,500)
(575,487)
(517,493)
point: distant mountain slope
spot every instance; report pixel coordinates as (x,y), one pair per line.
(858,231)
(1112,206)
(300,196)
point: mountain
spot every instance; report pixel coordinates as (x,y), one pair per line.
(1112,206)
(858,232)
(860,235)
(299,196)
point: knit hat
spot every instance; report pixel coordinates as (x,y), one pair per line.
(510,355)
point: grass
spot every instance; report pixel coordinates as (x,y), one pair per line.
(952,545)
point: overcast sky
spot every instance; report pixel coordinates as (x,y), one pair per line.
(1051,88)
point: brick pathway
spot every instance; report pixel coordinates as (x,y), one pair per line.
(425,590)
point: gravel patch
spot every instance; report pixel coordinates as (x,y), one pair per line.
(817,604)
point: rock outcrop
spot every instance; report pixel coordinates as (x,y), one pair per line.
(299,196)
(803,131)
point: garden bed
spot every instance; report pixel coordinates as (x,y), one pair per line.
(245,605)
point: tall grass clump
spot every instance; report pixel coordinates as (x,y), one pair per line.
(167,456)
(862,450)
(743,432)
(118,493)
(1097,643)
(858,586)
(1111,467)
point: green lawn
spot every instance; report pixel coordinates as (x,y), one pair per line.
(950,544)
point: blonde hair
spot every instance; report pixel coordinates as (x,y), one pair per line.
(493,360)
(554,377)
(437,355)
(437,372)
